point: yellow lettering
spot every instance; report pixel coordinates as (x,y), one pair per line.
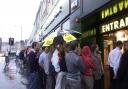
(126,21)
(115,9)
(111,26)
(103,29)
(111,12)
(122,23)
(102,14)
(107,27)
(126,3)
(116,23)
(121,6)
(106,12)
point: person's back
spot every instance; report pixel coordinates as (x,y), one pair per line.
(75,67)
(21,55)
(73,63)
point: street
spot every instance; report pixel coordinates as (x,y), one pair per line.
(10,78)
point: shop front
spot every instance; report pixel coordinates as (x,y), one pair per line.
(111,32)
(113,27)
(105,26)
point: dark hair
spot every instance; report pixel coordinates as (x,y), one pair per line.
(93,47)
(73,44)
(118,43)
(34,44)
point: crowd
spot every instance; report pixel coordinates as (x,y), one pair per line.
(70,66)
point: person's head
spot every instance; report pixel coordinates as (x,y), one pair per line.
(94,47)
(46,49)
(67,47)
(74,45)
(119,44)
(52,48)
(126,45)
(59,47)
(86,51)
(36,46)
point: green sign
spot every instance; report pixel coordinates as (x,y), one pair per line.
(90,32)
(113,9)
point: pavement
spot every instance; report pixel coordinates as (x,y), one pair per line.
(10,78)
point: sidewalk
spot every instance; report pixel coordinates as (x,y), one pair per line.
(10,79)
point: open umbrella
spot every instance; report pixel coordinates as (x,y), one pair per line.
(61,36)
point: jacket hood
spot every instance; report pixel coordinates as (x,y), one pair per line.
(86,51)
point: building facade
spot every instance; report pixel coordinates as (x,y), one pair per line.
(100,21)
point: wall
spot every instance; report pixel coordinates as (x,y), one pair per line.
(58,14)
(91,5)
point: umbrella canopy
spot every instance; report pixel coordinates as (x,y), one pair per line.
(61,36)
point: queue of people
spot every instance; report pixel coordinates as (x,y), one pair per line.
(63,66)
(68,66)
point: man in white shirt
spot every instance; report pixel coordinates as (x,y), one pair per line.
(113,61)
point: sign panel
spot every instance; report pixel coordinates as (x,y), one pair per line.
(115,24)
(114,9)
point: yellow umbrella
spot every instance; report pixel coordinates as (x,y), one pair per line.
(49,40)
(67,37)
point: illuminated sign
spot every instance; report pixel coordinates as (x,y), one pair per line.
(115,25)
(118,7)
(90,32)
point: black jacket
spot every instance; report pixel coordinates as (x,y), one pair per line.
(33,62)
(122,74)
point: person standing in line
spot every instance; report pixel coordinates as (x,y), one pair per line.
(91,66)
(51,81)
(34,66)
(61,77)
(122,74)
(44,64)
(55,59)
(75,67)
(113,61)
(98,73)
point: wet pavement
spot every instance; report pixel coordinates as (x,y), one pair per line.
(10,79)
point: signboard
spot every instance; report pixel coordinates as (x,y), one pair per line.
(89,33)
(115,25)
(114,9)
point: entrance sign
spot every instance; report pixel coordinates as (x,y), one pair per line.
(115,25)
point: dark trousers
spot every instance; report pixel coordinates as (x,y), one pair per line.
(51,81)
(42,79)
(98,84)
(113,82)
(33,81)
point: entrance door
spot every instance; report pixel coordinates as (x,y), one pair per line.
(109,42)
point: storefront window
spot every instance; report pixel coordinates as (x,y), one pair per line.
(66,24)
